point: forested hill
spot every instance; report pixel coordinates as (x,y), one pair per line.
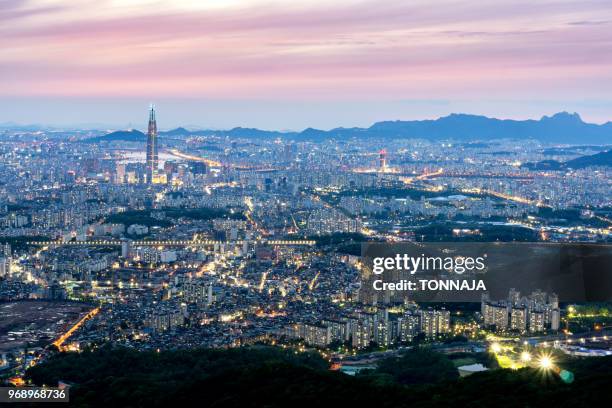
(274,377)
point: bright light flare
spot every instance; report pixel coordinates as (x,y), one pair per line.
(545,362)
(525,356)
(495,348)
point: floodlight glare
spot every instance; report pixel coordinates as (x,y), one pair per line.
(545,362)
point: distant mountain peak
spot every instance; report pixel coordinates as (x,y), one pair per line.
(179,131)
(562,127)
(131,135)
(564,116)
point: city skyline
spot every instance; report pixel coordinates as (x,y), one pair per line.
(402,203)
(305,64)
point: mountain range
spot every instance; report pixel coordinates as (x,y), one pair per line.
(598,159)
(563,127)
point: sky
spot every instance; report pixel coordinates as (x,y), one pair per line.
(292,64)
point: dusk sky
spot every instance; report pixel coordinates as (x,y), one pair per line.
(293,64)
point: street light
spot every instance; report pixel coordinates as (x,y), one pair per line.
(525,356)
(545,362)
(495,348)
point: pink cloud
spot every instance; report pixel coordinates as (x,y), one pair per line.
(363,49)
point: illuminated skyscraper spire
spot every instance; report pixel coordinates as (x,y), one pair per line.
(151,113)
(152,158)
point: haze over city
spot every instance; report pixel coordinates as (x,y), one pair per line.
(292,65)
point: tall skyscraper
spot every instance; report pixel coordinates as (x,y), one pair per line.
(152,158)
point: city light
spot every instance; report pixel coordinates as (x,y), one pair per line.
(265,259)
(545,362)
(525,356)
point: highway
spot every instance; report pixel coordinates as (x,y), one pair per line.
(59,343)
